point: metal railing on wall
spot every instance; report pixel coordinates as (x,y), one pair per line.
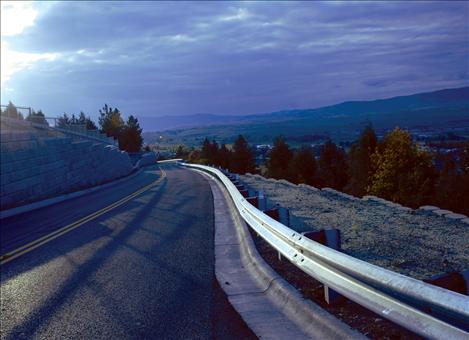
(79,131)
(57,125)
(427,310)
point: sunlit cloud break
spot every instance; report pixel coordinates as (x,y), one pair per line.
(15,18)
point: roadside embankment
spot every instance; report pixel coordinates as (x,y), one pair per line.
(419,243)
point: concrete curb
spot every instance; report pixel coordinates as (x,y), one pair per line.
(170,160)
(270,306)
(50,201)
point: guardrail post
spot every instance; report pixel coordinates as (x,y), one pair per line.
(253,200)
(328,237)
(332,297)
(279,214)
(262,201)
(274,213)
(284,216)
(331,239)
(457,282)
(244,192)
(239,186)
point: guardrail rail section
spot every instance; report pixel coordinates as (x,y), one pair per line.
(430,311)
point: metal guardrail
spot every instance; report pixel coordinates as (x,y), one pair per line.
(76,130)
(80,131)
(401,299)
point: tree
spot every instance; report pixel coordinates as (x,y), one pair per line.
(209,153)
(194,156)
(447,193)
(37,117)
(130,135)
(12,112)
(63,121)
(281,156)
(452,186)
(224,157)
(359,162)
(464,166)
(110,121)
(304,166)
(214,153)
(206,151)
(464,159)
(401,172)
(332,166)
(243,158)
(83,120)
(180,152)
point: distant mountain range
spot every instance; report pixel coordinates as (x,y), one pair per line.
(444,107)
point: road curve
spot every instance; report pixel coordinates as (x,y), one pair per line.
(144,269)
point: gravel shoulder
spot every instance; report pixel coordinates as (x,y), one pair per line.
(411,242)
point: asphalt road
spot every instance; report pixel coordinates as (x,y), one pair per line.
(142,270)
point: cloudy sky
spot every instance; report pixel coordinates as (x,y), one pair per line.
(168,58)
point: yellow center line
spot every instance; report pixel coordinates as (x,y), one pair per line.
(57,233)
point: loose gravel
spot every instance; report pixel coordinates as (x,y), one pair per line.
(416,243)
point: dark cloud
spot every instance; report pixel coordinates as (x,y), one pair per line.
(159,58)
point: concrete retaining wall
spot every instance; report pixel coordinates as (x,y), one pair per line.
(36,167)
(148,158)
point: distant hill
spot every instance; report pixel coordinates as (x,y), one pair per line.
(449,107)
(172,122)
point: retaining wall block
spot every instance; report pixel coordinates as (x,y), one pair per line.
(283,181)
(330,190)
(367,197)
(38,168)
(454,216)
(441,212)
(428,208)
(308,187)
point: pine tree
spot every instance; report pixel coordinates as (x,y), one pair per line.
(281,156)
(180,152)
(37,117)
(225,156)
(447,193)
(206,151)
(12,112)
(359,163)
(130,137)
(63,121)
(243,158)
(452,187)
(332,170)
(213,156)
(304,166)
(86,121)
